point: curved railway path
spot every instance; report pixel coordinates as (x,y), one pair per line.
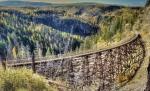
(102,70)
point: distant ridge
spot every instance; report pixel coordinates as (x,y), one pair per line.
(42,4)
(23,4)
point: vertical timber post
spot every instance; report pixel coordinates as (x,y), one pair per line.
(33,63)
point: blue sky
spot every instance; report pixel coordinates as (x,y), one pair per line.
(122,2)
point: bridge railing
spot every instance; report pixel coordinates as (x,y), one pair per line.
(102,70)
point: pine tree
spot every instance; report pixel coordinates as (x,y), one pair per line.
(147,3)
(3,54)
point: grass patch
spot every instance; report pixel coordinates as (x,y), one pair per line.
(22,80)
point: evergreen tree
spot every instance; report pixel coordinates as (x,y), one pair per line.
(147,3)
(3,54)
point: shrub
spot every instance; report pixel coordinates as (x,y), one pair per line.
(21,80)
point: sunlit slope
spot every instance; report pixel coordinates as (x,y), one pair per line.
(140,80)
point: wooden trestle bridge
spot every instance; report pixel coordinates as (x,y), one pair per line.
(102,70)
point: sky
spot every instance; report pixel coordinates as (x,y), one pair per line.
(122,2)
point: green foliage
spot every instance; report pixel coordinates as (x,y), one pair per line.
(24,36)
(112,28)
(22,80)
(147,3)
(3,51)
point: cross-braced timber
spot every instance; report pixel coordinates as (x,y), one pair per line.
(103,70)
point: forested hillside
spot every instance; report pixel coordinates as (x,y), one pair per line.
(59,29)
(55,30)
